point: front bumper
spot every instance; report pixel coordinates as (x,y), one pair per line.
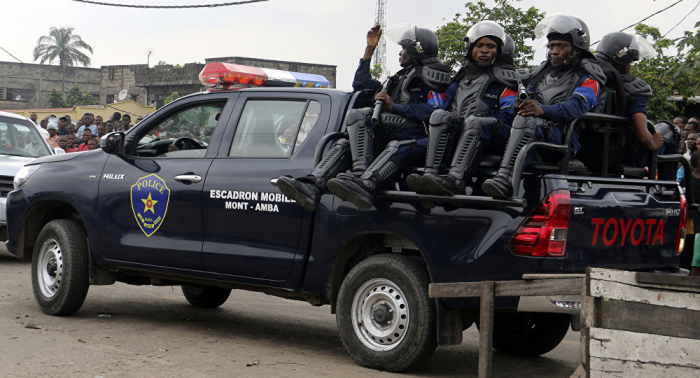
(16,208)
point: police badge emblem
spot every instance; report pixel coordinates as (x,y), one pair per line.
(149,203)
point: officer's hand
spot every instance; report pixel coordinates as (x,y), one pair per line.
(373,36)
(388,104)
(529,108)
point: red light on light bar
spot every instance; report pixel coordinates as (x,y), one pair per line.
(227,74)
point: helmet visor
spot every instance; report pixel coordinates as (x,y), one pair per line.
(401,32)
(646,50)
(486,28)
(556,23)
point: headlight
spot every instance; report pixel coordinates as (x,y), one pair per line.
(24,174)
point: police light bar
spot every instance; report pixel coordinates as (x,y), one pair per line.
(227,75)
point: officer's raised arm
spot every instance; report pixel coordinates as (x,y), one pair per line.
(363,77)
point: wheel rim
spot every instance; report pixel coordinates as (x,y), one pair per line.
(380,315)
(50,268)
(196,290)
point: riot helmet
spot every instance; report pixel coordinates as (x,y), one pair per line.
(509,47)
(419,43)
(623,48)
(481,29)
(564,27)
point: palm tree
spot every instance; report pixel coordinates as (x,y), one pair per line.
(65,46)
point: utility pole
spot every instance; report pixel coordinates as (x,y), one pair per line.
(380,53)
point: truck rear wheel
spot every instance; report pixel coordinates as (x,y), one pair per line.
(528,333)
(385,318)
(60,273)
(205,296)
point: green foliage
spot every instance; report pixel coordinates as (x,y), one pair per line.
(164,63)
(520,24)
(76,97)
(173,96)
(56,99)
(63,45)
(689,47)
(659,74)
(376,71)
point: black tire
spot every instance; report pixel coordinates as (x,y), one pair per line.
(410,331)
(205,296)
(529,334)
(60,268)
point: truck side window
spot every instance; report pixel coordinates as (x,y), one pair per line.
(185,134)
(308,123)
(272,128)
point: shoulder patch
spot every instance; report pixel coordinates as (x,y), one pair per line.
(594,70)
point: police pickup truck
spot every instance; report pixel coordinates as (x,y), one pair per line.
(185,198)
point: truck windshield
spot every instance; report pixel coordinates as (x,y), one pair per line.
(21,138)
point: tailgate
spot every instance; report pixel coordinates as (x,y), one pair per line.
(623,224)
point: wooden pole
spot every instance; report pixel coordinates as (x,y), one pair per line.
(486,329)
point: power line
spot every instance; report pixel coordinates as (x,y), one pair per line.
(652,15)
(169,6)
(35,71)
(645,18)
(682,19)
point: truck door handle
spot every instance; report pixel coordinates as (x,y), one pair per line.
(188,178)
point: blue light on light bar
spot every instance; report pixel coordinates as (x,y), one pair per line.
(310,80)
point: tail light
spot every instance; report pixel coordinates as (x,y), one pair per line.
(680,236)
(544,232)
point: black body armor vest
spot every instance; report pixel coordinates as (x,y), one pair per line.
(470,93)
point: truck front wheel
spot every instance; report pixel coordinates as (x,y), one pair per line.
(529,334)
(60,273)
(205,296)
(385,318)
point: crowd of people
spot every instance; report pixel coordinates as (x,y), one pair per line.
(65,136)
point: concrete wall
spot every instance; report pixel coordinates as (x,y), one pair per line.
(106,111)
(34,82)
(145,85)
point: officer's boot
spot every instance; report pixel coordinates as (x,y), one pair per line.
(438,138)
(470,151)
(522,133)
(360,190)
(308,190)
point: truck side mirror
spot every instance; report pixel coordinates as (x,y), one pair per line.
(113,143)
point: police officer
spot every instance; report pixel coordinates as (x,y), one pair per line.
(563,88)
(615,55)
(400,128)
(480,102)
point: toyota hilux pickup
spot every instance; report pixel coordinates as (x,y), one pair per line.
(186,198)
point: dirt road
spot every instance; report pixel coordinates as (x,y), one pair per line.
(131,331)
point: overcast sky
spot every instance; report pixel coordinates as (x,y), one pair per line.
(315,31)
